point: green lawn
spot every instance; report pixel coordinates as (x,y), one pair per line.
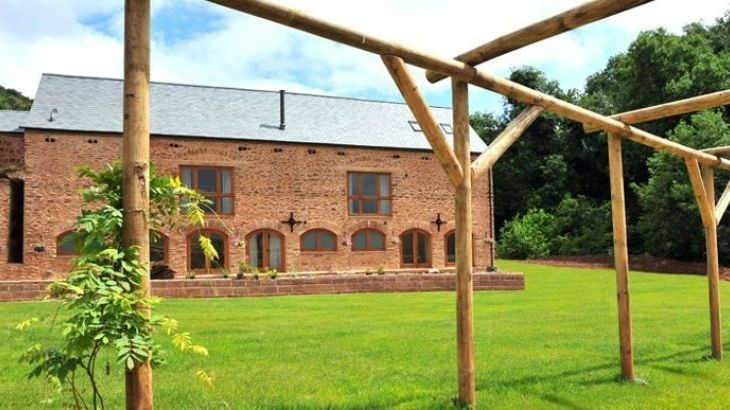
(551,346)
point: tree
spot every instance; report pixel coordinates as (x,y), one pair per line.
(101,294)
(670,221)
(13,100)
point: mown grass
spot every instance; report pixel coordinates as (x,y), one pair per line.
(551,346)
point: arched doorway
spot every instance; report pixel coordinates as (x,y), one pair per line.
(266,249)
(415,249)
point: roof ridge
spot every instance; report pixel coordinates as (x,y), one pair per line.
(337,97)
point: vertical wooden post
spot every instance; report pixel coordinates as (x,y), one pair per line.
(135,173)
(464,322)
(621,255)
(713,266)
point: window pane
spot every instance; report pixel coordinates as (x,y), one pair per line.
(274,252)
(255,250)
(210,208)
(206,180)
(354,207)
(226,181)
(369,206)
(353,185)
(157,248)
(360,240)
(384,185)
(197,258)
(422,248)
(377,240)
(226,205)
(219,243)
(369,184)
(66,245)
(187,177)
(327,241)
(309,241)
(385,206)
(451,248)
(407,246)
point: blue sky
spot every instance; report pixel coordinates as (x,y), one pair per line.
(201,43)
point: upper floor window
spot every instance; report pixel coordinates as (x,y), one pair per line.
(319,240)
(368,193)
(215,183)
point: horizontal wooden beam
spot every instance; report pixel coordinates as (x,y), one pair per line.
(671,109)
(459,70)
(720,151)
(504,140)
(552,26)
(722,204)
(430,126)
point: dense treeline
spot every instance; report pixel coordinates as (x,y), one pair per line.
(13,100)
(552,188)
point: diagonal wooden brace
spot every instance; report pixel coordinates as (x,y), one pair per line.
(704,203)
(722,204)
(425,118)
(501,144)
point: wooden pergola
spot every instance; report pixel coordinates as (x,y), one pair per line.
(456,162)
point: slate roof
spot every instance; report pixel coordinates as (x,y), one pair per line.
(10,120)
(95,104)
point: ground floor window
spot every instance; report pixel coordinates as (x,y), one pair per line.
(319,240)
(415,249)
(266,250)
(196,257)
(368,240)
(66,245)
(450,239)
(158,247)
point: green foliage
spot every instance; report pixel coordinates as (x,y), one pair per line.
(583,227)
(101,296)
(13,100)
(527,236)
(555,160)
(380,269)
(670,222)
(272,274)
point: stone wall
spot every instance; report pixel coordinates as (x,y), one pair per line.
(320,284)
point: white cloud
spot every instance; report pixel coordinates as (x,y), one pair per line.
(242,51)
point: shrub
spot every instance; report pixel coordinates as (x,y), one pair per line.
(272,274)
(190,275)
(161,271)
(380,269)
(582,227)
(527,236)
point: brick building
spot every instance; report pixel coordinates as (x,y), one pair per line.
(308,183)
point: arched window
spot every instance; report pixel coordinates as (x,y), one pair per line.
(66,245)
(319,240)
(450,248)
(415,245)
(158,247)
(196,257)
(265,249)
(368,240)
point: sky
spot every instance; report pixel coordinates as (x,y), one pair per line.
(197,42)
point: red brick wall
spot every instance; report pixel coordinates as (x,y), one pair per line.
(268,186)
(11,149)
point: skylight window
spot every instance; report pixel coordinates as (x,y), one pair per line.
(447,128)
(414,126)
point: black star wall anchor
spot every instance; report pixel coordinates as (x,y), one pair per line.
(292,222)
(439,222)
